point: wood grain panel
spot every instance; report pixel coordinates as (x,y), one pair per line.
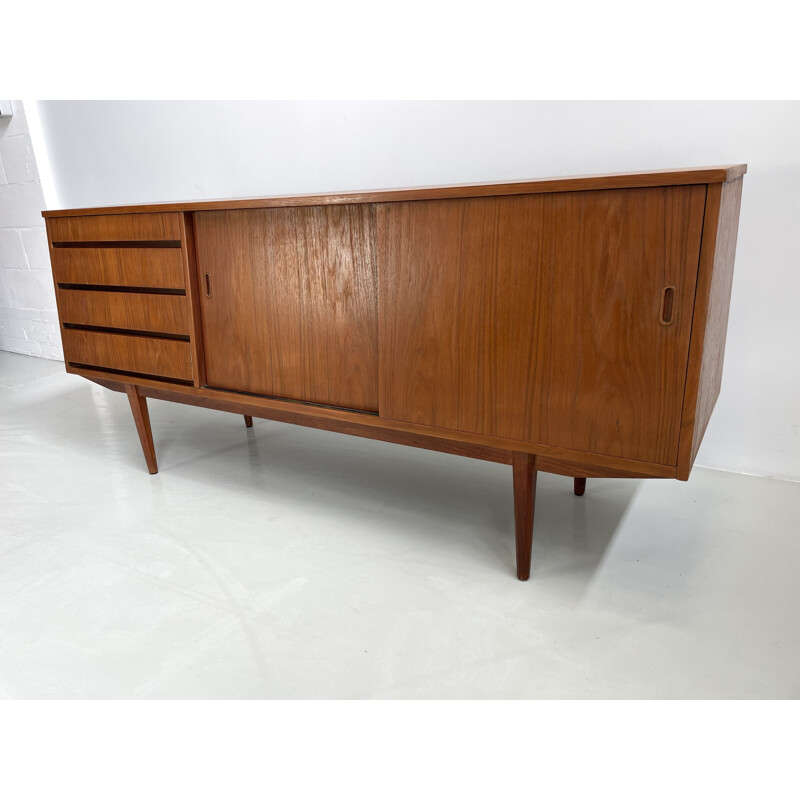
(108,266)
(537,318)
(293,305)
(167,358)
(715,283)
(193,297)
(618,180)
(141,312)
(117,227)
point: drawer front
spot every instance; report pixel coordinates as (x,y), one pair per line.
(116,227)
(159,313)
(160,268)
(164,358)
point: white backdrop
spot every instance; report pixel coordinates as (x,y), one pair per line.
(102,153)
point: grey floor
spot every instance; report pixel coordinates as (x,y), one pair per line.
(283,562)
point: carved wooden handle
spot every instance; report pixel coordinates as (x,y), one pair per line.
(667,306)
(208,285)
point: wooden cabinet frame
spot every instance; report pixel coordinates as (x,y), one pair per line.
(341,335)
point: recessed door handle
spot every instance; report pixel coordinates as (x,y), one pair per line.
(208,285)
(667,306)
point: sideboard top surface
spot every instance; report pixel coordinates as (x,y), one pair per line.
(619,180)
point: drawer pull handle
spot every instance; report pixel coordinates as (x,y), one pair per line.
(667,306)
(208,285)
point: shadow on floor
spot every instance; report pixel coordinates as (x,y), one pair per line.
(450,497)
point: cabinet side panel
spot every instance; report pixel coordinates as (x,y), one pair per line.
(193,301)
(715,283)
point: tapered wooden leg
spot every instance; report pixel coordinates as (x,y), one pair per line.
(248,421)
(524,467)
(142,419)
(580,486)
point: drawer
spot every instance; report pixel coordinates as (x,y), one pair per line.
(144,355)
(159,313)
(160,268)
(116,227)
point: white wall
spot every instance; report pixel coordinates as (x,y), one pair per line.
(28,318)
(102,153)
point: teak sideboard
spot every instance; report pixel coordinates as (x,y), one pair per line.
(571,325)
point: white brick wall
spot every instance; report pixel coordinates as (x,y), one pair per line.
(28,318)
